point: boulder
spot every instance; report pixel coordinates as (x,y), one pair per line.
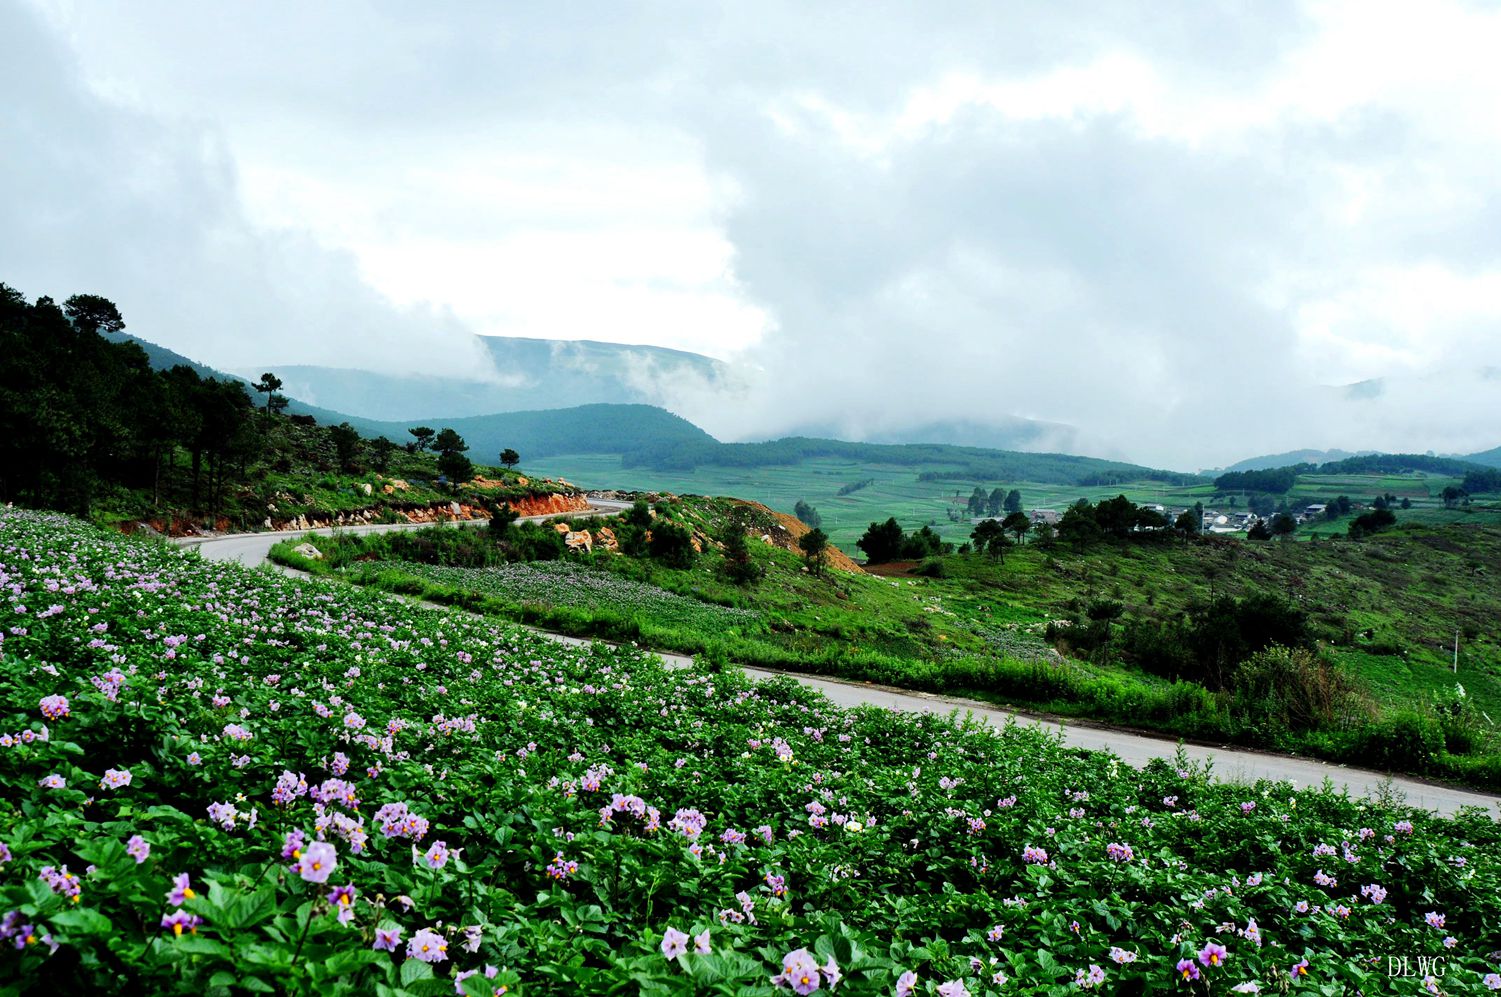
(579,541)
(367,488)
(308,551)
(605,539)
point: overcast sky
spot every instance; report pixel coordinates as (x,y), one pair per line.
(1171,226)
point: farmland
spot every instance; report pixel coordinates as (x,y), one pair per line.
(233,781)
(898,490)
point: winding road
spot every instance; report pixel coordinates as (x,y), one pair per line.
(1230,764)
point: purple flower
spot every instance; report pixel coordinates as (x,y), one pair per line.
(1034,856)
(427,946)
(1493,981)
(906,984)
(800,971)
(674,943)
(953,988)
(317,862)
(386,941)
(181,919)
(342,896)
(1187,970)
(1434,920)
(115,778)
(53,781)
(1212,955)
(181,891)
(437,855)
(54,707)
(138,848)
(1090,978)
(1299,970)
(701,942)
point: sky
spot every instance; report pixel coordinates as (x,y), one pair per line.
(1178,229)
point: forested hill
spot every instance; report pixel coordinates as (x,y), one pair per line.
(649,437)
(941,461)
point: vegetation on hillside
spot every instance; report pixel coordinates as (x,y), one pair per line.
(217,780)
(90,426)
(1161,629)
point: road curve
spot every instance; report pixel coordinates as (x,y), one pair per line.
(1230,764)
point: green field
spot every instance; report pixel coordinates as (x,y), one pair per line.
(896,490)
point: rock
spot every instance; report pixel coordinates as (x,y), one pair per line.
(453,508)
(563,528)
(522,481)
(388,489)
(308,551)
(579,541)
(267,524)
(605,539)
(367,488)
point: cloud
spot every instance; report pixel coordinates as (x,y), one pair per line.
(145,210)
(1170,231)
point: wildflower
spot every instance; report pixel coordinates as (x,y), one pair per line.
(1249,987)
(437,855)
(138,848)
(179,920)
(1119,853)
(223,814)
(996,933)
(1376,893)
(427,946)
(1493,981)
(53,781)
(1087,980)
(800,972)
(701,942)
(953,988)
(1121,956)
(1299,970)
(1187,970)
(318,862)
(387,940)
(674,943)
(561,868)
(181,890)
(1450,941)
(1034,856)
(194,758)
(1435,920)
(54,707)
(1212,955)
(342,898)
(906,984)
(115,778)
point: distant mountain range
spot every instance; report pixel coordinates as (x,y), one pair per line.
(593,398)
(531,374)
(1294,457)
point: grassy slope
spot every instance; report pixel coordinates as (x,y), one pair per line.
(896,491)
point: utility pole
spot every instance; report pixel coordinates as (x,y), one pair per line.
(1456,652)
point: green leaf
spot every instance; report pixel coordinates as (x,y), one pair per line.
(82,921)
(413,970)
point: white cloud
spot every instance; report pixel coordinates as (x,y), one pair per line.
(1135,221)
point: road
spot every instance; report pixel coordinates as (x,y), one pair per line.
(1230,764)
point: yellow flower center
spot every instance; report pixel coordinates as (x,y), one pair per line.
(188,893)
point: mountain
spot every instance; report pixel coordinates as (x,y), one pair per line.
(1490,458)
(529,374)
(1292,457)
(1003,433)
(646,436)
(580,429)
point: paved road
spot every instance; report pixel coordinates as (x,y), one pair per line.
(1230,764)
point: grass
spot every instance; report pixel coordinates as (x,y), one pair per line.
(1384,609)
